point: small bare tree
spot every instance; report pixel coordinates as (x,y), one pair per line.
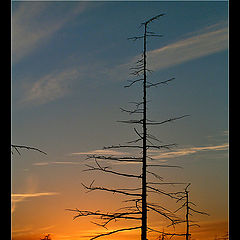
(189,210)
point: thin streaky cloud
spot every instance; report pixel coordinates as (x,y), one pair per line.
(206,41)
(190,48)
(49,87)
(19,197)
(16,196)
(65,163)
(100,152)
(55,163)
(187,151)
(28,33)
(41,164)
(156,154)
(55,85)
(30,229)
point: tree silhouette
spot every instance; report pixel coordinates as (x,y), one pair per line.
(187,204)
(140,206)
(47,237)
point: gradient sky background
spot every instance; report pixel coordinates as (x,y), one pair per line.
(70,62)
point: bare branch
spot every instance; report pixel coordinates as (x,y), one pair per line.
(16,147)
(165,214)
(139,65)
(140,72)
(119,159)
(137,103)
(132,111)
(132,82)
(158,83)
(135,130)
(187,187)
(122,146)
(116,231)
(166,146)
(135,38)
(106,217)
(169,234)
(154,35)
(198,211)
(132,121)
(162,165)
(105,169)
(135,141)
(158,206)
(191,225)
(181,198)
(163,183)
(168,120)
(155,175)
(180,207)
(90,188)
(153,137)
(152,19)
(172,195)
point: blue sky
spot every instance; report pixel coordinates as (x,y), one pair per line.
(70,62)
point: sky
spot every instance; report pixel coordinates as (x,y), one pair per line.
(70,63)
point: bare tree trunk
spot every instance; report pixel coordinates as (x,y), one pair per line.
(144,170)
(187,214)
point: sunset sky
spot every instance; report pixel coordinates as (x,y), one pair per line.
(70,63)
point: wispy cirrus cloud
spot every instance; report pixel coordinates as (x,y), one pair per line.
(186,151)
(49,87)
(55,85)
(100,152)
(159,155)
(19,197)
(154,154)
(104,152)
(31,26)
(55,163)
(206,43)
(168,154)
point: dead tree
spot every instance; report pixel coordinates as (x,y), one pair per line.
(184,197)
(140,206)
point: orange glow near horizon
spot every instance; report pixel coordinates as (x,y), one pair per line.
(35,215)
(207,231)
(31,222)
